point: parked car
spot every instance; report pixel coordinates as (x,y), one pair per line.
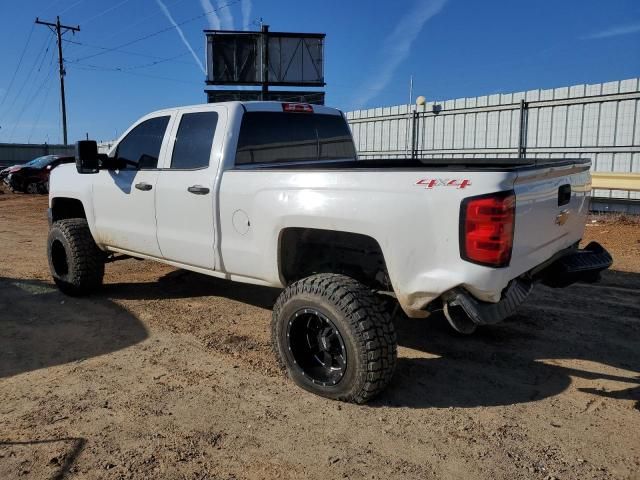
(274,194)
(33,176)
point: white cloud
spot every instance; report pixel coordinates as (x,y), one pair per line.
(397,46)
(165,10)
(212,16)
(246,14)
(225,14)
(220,16)
(615,31)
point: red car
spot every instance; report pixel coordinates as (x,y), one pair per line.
(33,176)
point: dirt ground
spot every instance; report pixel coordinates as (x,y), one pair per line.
(169,374)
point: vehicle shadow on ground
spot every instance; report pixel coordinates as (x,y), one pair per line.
(499,365)
(514,362)
(186,284)
(60,463)
(42,327)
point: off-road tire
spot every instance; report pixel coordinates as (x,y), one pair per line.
(363,322)
(75,261)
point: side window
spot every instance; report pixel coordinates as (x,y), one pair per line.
(192,148)
(141,147)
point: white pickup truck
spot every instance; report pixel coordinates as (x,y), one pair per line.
(274,194)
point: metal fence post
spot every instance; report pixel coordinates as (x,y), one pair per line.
(414,127)
(522,137)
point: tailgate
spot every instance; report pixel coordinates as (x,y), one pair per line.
(552,203)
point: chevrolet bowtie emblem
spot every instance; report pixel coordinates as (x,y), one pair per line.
(562,217)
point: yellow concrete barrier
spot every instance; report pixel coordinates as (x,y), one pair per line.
(616,181)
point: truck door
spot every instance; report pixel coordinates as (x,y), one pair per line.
(185,197)
(124,199)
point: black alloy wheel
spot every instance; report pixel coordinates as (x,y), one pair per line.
(316,347)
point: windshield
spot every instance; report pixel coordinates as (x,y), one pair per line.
(279,137)
(41,162)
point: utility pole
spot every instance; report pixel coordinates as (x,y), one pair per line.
(60,30)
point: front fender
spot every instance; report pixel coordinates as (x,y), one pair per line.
(66,183)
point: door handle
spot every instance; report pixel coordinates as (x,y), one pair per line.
(198,190)
(145,187)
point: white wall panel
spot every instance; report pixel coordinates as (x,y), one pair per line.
(515,129)
(606,132)
(545,116)
(559,130)
(625,122)
(532,128)
(599,121)
(574,125)
(469,130)
(448,132)
(504,130)
(590,125)
(458,131)
(492,129)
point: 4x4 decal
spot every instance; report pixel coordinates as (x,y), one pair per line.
(430,183)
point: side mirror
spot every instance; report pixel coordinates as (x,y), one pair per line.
(87,159)
(111,163)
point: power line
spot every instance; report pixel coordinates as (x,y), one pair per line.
(26,45)
(32,94)
(166,29)
(42,105)
(156,62)
(29,101)
(38,84)
(134,67)
(28,78)
(127,52)
(71,6)
(53,4)
(45,53)
(138,22)
(113,7)
(89,67)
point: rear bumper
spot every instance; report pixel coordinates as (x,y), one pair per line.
(574,266)
(567,267)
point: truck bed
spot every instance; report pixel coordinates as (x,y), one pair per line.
(444,164)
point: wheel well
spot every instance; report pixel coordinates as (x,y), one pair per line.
(62,208)
(307,251)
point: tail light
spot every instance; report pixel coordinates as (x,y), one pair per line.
(297,107)
(486,229)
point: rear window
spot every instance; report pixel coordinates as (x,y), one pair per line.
(275,137)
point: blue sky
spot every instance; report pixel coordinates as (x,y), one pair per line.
(453,48)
